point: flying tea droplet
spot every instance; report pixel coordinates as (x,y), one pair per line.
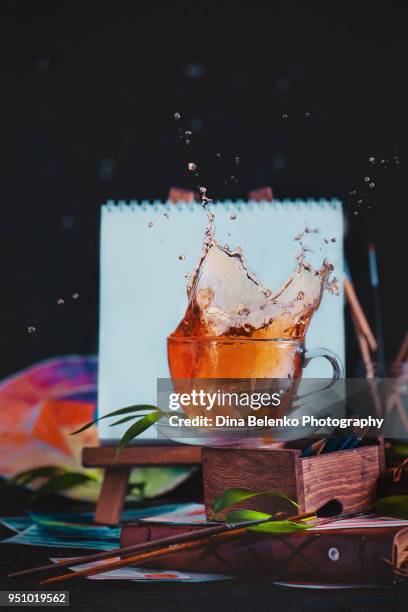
(367,179)
(181,257)
(150,224)
(284,116)
(233,216)
(31,329)
(60,302)
(75,296)
(192,166)
(177,116)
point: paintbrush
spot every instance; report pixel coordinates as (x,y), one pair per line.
(179,543)
(228,533)
(144,546)
(402,353)
(375,285)
(141,547)
(365,338)
(358,314)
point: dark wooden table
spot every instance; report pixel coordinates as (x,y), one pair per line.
(125,596)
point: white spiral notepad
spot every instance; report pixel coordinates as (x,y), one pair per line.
(147,249)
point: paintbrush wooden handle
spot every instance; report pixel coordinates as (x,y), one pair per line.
(147,556)
(176,538)
(403,352)
(159,552)
(140,547)
(358,314)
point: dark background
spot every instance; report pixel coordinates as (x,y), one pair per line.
(88,92)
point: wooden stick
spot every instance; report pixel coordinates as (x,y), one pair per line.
(365,353)
(362,342)
(358,313)
(229,532)
(370,372)
(403,352)
(177,194)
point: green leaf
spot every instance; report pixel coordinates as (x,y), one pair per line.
(236,516)
(394,505)
(282,526)
(125,420)
(233,496)
(23,478)
(137,428)
(128,409)
(136,489)
(272,526)
(61,483)
(400,449)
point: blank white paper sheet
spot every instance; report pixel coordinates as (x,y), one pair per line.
(143,282)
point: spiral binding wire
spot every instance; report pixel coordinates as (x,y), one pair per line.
(230,205)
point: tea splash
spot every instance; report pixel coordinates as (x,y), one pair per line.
(227,301)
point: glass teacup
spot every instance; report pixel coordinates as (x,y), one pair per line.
(229,365)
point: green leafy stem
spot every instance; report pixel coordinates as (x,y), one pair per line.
(146,415)
(57,479)
(234,496)
(393,506)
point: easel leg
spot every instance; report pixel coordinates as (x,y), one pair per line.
(112,495)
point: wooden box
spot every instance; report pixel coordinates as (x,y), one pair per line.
(349,476)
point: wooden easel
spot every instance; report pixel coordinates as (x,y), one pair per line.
(112,496)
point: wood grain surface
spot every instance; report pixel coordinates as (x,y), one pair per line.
(349,476)
(261,470)
(133,456)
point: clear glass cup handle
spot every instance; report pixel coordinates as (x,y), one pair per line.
(335,361)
